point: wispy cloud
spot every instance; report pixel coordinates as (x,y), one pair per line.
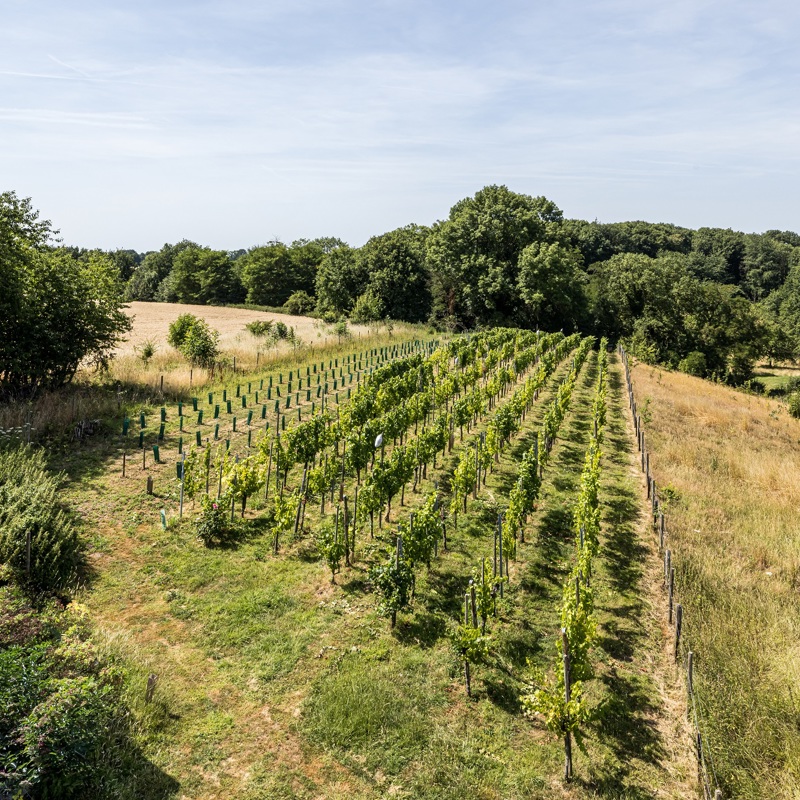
(139,124)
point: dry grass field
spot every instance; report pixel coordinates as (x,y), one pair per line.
(730,463)
(151,322)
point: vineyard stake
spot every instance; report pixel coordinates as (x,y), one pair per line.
(152,680)
(346,533)
(567,693)
(269,475)
(28,553)
(183,475)
(690,673)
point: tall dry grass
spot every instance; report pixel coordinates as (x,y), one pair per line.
(733,463)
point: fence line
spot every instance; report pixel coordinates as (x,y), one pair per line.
(675,612)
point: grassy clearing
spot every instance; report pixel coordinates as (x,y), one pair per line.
(731,462)
(276,683)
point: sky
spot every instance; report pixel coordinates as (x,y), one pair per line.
(237,123)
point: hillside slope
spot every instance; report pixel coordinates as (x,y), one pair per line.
(728,466)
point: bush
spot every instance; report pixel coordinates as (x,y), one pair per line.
(299,303)
(754,385)
(194,339)
(739,368)
(213,526)
(29,503)
(368,308)
(260,327)
(146,351)
(63,726)
(694,364)
(179,330)
(281,331)
(794,404)
(201,345)
(62,737)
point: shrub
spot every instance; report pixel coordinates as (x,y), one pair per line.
(179,330)
(739,368)
(281,331)
(299,303)
(213,526)
(29,503)
(754,385)
(794,404)
(694,364)
(368,308)
(147,350)
(341,330)
(63,726)
(259,327)
(63,735)
(201,345)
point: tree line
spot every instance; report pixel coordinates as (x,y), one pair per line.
(709,301)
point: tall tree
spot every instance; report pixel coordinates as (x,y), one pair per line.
(146,281)
(340,280)
(205,276)
(397,273)
(473,256)
(272,272)
(551,284)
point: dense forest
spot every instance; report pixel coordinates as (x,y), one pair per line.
(709,301)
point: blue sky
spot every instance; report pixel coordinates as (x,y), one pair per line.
(231,124)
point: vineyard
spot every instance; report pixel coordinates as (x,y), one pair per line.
(415,571)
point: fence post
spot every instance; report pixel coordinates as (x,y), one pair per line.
(678,626)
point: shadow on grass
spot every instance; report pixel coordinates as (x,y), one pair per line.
(624,724)
(423,629)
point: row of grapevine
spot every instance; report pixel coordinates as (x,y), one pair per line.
(470,642)
(559,699)
(391,579)
(522,498)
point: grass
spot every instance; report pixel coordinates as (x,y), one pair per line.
(731,463)
(275,683)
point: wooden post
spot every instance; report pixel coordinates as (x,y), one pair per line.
(183,477)
(466,662)
(346,529)
(678,626)
(123,464)
(567,694)
(473,604)
(671,591)
(690,673)
(152,680)
(149,484)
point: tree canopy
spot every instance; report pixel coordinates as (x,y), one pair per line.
(58,309)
